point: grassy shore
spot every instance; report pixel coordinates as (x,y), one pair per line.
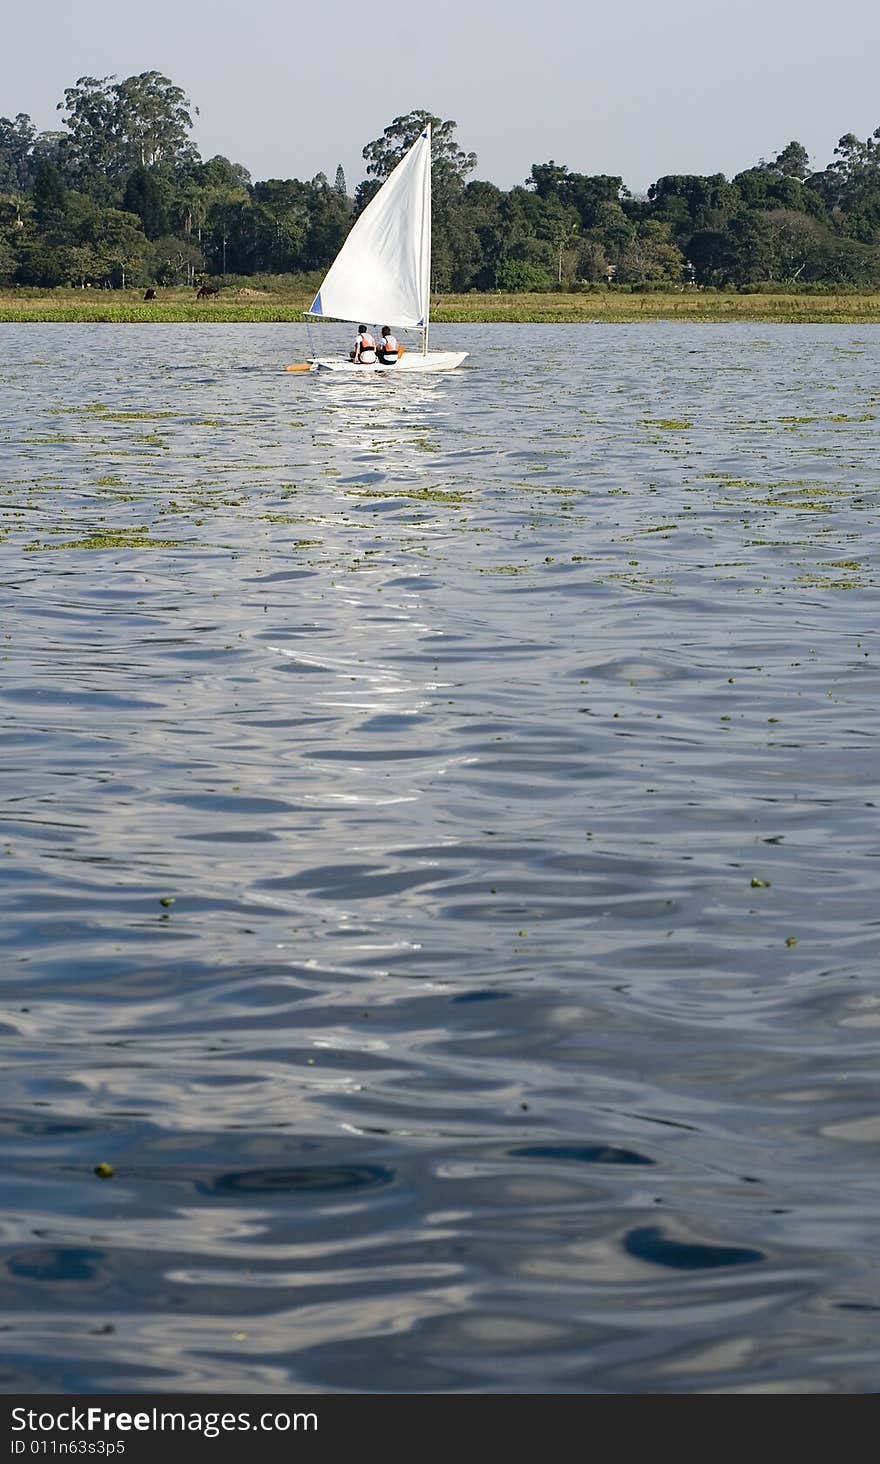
(256,306)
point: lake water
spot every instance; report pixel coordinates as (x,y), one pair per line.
(440,862)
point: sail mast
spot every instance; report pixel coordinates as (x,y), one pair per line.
(426,243)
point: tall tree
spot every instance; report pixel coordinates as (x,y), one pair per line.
(93,147)
(16,151)
(450,166)
(792,162)
(155,121)
(850,186)
(548,179)
(702,201)
(449,162)
(764,188)
(114,127)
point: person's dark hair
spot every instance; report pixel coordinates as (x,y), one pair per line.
(362,330)
(386,330)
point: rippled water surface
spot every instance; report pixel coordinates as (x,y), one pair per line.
(440,862)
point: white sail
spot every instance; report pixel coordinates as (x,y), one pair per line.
(382,273)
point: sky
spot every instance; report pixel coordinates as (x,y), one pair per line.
(634,88)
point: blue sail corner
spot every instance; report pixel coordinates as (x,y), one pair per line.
(317,308)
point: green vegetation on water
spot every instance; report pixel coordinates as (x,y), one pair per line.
(177,306)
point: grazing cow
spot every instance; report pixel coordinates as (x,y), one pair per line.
(204,291)
(149,294)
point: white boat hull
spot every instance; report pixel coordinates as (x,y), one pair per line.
(409,361)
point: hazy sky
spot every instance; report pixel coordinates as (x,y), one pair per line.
(632,88)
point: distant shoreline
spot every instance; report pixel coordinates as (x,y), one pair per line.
(177,306)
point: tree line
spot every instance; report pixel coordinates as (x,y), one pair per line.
(120,196)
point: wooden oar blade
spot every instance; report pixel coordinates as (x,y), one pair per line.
(301,366)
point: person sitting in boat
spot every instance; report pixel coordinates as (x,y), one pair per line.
(364,353)
(389,350)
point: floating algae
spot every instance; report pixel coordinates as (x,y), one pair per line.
(109,539)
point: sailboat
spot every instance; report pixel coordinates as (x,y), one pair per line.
(382,273)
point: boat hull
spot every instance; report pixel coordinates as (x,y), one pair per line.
(409,361)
